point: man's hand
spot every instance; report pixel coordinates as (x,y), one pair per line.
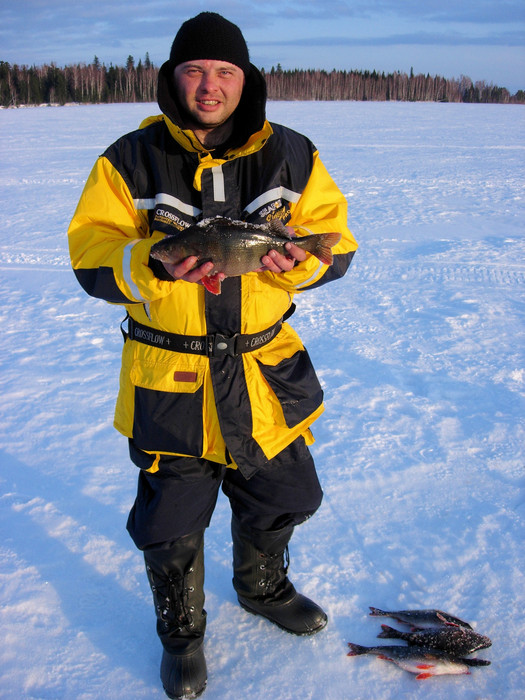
(275,262)
(184,271)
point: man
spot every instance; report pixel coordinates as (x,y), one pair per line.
(215,389)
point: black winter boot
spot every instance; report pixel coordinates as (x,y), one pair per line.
(176,577)
(262,585)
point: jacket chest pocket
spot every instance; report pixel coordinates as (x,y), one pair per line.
(168,412)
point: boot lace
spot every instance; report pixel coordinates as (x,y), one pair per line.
(273,569)
(172,600)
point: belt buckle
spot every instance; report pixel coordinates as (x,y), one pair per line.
(219,345)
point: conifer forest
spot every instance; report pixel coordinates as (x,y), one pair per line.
(137,82)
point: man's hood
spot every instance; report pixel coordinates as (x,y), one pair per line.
(249,116)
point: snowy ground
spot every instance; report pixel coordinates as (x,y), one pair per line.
(420,450)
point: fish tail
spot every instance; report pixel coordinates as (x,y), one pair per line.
(323,246)
(389,633)
(356,649)
(377,612)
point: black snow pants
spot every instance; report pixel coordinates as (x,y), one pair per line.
(179,498)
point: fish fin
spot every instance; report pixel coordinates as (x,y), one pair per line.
(212,283)
(423,676)
(425,667)
(356,649)
(446,622)
(388,633)
(452,621)
(277,227)
(324,245)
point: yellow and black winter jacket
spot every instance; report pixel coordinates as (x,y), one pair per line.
(237,409)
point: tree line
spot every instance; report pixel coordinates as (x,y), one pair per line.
(96,83)
(91,83)
(372,85)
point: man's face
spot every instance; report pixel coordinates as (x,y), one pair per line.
(209,90)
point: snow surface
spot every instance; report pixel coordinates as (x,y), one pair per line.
(420,450)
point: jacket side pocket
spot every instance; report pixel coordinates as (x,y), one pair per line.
(296,386)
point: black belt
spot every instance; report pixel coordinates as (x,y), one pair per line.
(214,345)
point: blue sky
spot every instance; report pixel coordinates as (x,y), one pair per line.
(483,39)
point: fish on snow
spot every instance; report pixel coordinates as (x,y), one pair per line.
(421,618)
(236,247)
(422,661)
(452,638)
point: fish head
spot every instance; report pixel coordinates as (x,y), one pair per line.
(174,249)
(480,641)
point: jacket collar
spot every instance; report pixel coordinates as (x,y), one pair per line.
(186,138)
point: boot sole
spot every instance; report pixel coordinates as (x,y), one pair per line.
(186,697)
(307,633)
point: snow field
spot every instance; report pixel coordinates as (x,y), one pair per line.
(420,449)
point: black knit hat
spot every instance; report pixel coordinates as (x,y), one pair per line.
(210,36)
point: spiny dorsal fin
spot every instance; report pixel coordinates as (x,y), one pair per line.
(277,227)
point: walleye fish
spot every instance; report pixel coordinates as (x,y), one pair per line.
(421,618)
(419,660)
(236,247)
(453,639)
